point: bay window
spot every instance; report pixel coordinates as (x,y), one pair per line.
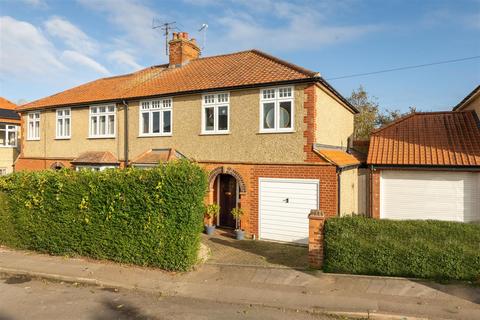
(156,117)
(276,110)
(33,129)
(63,123)
(102,121)
(216,113)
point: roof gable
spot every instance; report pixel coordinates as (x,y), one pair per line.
(471,95)
(428,139)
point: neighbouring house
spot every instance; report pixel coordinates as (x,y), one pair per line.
(9,130)
(470,102)
(273,136)
(427,166)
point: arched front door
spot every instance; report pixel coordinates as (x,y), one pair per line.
(227,199)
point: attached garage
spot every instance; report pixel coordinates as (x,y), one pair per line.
(439,195)
(284,205)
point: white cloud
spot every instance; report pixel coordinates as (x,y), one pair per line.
(124,59)
(24,50)
(73,37)
(79,58)
(35,3)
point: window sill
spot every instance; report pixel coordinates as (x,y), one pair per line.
(153,135)
(62,138)
(276,132)
(214,133)
(7,146)
(101,137)
(31,139)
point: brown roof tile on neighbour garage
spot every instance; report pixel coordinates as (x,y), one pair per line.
(339,157)
(428,139)
(224,71)
(156,156)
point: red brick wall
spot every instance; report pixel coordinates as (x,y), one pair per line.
(35,164)
(252,172)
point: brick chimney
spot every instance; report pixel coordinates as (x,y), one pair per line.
(182,49)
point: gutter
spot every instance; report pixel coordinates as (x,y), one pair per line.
(435,167)
(125,133)
(339,198)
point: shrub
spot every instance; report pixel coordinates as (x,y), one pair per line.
(146,217)
(421,249)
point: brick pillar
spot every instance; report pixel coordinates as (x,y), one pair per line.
(316,223)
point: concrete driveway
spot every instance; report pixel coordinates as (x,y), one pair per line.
(225,250)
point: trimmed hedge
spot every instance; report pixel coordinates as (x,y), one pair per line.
(420,249)
(146,217)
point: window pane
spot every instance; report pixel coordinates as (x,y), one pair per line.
(94,126)
(37,130)
(102,130)
(156,122)
(269,115)
(31,129)
(145,122)
(11,138)
(167,122)
(94,110)
(222,118)
(59,127)
(101,109)
(209,119)
(66,128)
(111,108)
(285,114)
(66,112)
(111,124)
(3,141)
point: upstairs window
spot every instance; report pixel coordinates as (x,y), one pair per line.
(156,117)
(276,109)
(8,135)
(102,121)
(216,113)
(33,126)
(63,123)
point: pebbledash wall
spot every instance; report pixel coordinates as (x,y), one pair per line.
(319,118)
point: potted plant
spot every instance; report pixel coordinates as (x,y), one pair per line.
(211,213)
(237,213)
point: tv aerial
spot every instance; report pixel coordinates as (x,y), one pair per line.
(204,29)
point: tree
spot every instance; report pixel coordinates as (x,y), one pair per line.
(365,121)
(370,116)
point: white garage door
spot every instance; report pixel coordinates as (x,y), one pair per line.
(439,195)
(284,205)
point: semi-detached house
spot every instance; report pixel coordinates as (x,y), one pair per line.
(273,136)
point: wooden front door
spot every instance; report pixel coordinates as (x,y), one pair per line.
(227,199)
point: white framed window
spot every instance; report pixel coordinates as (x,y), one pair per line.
(156,117)
(3,171)
(64,117)
(33,126)
(94,167)
(277,110)
(102,121)
(8,135)
(216,113)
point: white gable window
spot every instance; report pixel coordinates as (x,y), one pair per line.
(216,113)
(63,123)
(156,117)
(102,121)
(277,109)
(33,125)
(8,135)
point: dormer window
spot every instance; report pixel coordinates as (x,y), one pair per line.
(216,113)
(276,110)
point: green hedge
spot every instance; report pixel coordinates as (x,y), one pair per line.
(146,217)
(420,249)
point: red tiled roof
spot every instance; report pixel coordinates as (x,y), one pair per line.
(96,157)
(5,104)
(156,156)
(338,157)
(224,71)
(433,138)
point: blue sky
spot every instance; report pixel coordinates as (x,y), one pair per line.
(47,46)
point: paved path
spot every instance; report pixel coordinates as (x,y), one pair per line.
(227,251)
(24,298)
(275,287)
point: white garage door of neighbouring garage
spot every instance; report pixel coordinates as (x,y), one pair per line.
(439,195)
(284,205)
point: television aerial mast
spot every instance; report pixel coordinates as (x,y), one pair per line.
(204,29)
(166,27)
